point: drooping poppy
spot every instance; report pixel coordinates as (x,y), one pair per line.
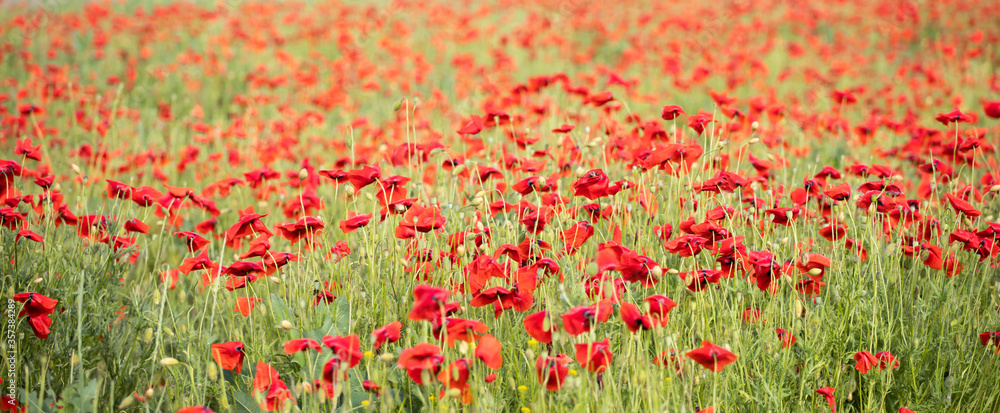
(827,393)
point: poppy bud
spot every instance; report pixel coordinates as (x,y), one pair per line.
(399,105)
(755,125)
(580,171)
(541,182)
(349,188)
(150,392)
(76,169)
(460,250)
(286,325)
(275,280)
(387,358)
(723,143)
(672,271)
(754,140)
(657,271)
(995,188)
(454,393)
(477,201)
(815,271)
(148,335)
(212,372)
(369,196)
(168,361)
(303,174)
(38,280)
(126,402)
(458,169)
(305,387)
(530,354)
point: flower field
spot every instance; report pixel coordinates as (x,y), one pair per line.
(500,206)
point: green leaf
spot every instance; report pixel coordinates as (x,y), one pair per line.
(279,309)
(244,402)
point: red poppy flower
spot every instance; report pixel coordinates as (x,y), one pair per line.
(865,361)
(30,235)
(277,393)
(456,375)
(698,121)
(592,185)
(194,241)
(35,304)
(988,337)
(574,237)
(229,355)
(488,350)
(427,302)
(301,344)
(827,393)
(659,308)
(962,206)
(387,333)
(474,126)
(955,116)
(249,225)
(540,326)
(244,305)
(886,360)
(458,329)
(670,112)
(634,319)
(346,350)
(992,109)
(711,356)
(195,409)
(600,98)
(22,147)
(700,279)
(420,358)
(582,318)
(787,338)
(563,129)
(552,371)
(596,357)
